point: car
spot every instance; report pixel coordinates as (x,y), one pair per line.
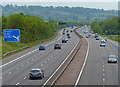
(68,35)
(103,41)
(41,47)
(57,46)
(112,59)
(67,31)
(87,36)
(97,38)
(64,41)
(102,44)
(96,35)
(105,38)
(71,30)
(36,73)
(63,33)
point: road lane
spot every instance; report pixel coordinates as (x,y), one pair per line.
(97,71)
(48,60)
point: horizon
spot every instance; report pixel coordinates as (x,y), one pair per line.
(92,5)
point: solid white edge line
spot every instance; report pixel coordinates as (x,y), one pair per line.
(60,65)
(116,43)
(31,51)
(79,76)
(18,58)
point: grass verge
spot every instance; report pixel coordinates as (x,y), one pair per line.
(117,37)
(10,46)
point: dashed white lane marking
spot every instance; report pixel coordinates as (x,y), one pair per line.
(22,65)
(51,57)
(41,64)
(48,59)
(16,68)
(9,72)
(103,70)
(103,74)
(45,62)
(103,80)
(32,59)
(0,77)
(24,77)
(17,83)
(103,65)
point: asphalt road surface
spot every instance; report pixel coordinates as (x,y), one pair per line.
(97,71)
(17,72)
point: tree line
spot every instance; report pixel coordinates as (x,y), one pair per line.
(61,13)
(107,27)
(31,28)
(34,28)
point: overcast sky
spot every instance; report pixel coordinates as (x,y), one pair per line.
(104,4)
(59,0)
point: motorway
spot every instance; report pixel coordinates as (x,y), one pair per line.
(17,72)
(97,71)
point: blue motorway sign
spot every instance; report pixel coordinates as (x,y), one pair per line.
(11,35)
(71,25)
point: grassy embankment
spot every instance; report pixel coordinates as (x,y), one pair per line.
(10,46)
(117,37)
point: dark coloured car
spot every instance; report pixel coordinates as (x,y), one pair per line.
(64,41)
(71,30)
(87,36)
(112,59)
(67,31)
(36,73)
(68,35)
(63,33)
(57,46)
(97,38)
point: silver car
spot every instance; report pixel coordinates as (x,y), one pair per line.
(112,59)
(102,44)
(36,73)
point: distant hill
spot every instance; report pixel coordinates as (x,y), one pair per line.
(61,13)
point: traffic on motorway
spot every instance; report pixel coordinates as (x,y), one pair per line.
(102,62)
(41,63)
